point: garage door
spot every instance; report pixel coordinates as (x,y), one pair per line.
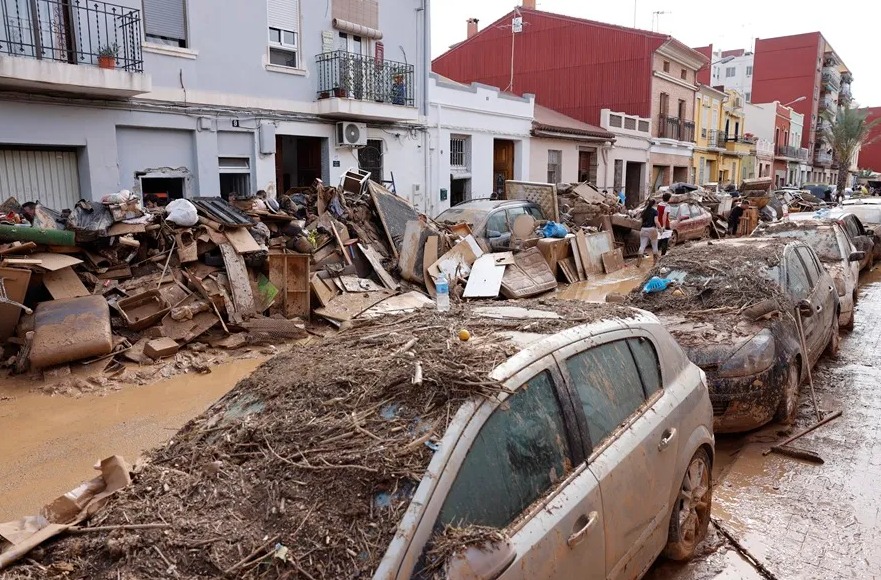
(49,177)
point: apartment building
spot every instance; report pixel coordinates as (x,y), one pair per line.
(579,67)
(733,69)
(179,98)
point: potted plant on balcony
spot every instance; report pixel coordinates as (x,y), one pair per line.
(107,56)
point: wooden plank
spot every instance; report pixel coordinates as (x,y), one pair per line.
(64,283)
(356,284)
(613,261)
(121,229)
(394,213)
(290,274)
(567,266)
(17,248)
(576,260)
(239,281)
(587,263)
(340,241)
(457,262)
(376,263)
(15,280)
(276,328)
(597,245)
(322,291)
(52,262)
(429,257)
(241,240)
(410,262)
(485,280)
(347,306)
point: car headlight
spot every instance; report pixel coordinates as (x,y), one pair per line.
(751,357)
(839,285)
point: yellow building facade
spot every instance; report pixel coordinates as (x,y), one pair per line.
(720,142)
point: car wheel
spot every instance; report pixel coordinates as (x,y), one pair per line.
(705,233)
(788,407)
(674,239)
(691,511)
(834,340)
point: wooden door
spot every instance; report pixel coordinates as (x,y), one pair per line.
(583,166)
(503,165)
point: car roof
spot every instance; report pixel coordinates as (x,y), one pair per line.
(808,218)
(862,201)
(490,204)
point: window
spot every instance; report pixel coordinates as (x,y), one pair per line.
(666,66)
(683,74)
(535,212)
(165,22)
(370,159)
(457,152)
(647,364)
(730,71)
(235,175)
(695,211)
(809,263)
(497,224)
(748,96)
(521,451)
(797,281)
(749,70)
(681,111)
(555,161)
(665,104)
(284,25)
(608,385)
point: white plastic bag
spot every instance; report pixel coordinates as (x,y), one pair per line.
(182,213)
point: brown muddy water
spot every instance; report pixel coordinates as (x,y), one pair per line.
(50,443)
(598,287)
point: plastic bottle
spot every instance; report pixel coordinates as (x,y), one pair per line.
(442,288)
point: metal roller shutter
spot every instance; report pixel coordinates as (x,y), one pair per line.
(284,14)
(50,177)
(165,18)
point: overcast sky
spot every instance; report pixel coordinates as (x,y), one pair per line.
(851,26)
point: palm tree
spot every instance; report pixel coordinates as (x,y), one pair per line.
(849,130)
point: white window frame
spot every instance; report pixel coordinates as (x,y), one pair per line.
(281,45)
(555,165)
(730,72)
(749,70)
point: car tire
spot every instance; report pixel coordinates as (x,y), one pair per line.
(674,239)
(788,407)
(691,510)
(706,233)
(834,340)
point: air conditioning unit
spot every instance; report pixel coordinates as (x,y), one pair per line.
(351,134)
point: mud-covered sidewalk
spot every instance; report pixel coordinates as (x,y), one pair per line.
(798,519)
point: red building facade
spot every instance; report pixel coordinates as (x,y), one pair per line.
(870,155)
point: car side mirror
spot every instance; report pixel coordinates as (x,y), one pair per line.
(805,308)
(857,256)
(486,562)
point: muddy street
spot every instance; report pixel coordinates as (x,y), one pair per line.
(798,519)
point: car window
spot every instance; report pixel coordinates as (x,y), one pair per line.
(696,211)
(647,363)
(520,452)
(497,223)
(608,386)
(796,278)
(844,244)
(535,212)
(513,212)
(808,261)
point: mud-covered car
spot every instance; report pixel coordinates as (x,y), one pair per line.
(490,219)
(689,221)
(835,250)
(862,223)
(735,306)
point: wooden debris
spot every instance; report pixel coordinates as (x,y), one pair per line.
(240,284)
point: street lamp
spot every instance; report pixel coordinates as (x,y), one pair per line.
(722,60)
(798,100)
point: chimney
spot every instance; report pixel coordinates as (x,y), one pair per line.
(530,4)
(472,27)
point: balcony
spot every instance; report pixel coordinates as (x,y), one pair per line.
(363,87)
(823,158)
(716,138)
(787,151)
(827,103)
(77,46)
(675,128)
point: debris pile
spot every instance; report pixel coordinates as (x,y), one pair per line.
(583,204)
(305,468)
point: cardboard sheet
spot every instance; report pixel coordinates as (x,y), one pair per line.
(64,283)
(51,261)
(241,240)
(458,261)
(400,304)
(485,280)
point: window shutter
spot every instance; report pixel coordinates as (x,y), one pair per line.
(284,14)
(165,18)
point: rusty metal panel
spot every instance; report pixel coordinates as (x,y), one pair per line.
(574,66)
(50,177)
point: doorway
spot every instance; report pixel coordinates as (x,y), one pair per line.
(165,188)
(460,190)
(370,159)
(503,165)
(680,175)
(587,167)
(298,161)
(633,183)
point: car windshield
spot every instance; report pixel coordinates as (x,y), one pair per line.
(458,215)
(822,240)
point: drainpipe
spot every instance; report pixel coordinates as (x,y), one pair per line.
(428,189)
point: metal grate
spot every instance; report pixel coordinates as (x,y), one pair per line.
(365,78)
(457,152)
(71,31)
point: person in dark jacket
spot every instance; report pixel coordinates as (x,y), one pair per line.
(735,216)
(649,232)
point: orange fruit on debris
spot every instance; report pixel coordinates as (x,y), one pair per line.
(464,335)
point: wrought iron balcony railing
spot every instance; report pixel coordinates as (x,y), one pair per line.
(72,31)
(365,78)
(675,128)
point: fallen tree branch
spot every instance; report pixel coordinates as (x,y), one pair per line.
(81,529)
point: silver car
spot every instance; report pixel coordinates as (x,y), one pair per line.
(597,461)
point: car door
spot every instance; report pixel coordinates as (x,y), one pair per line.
(824,287)
(799,285)
(683,220)
(521,469)
(632,431)
(700,220)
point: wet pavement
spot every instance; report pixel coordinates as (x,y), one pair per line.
(49,444)
(799,520)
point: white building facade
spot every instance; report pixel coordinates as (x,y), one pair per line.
(736,73)
(628,160)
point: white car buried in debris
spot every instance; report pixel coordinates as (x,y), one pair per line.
(597,461)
